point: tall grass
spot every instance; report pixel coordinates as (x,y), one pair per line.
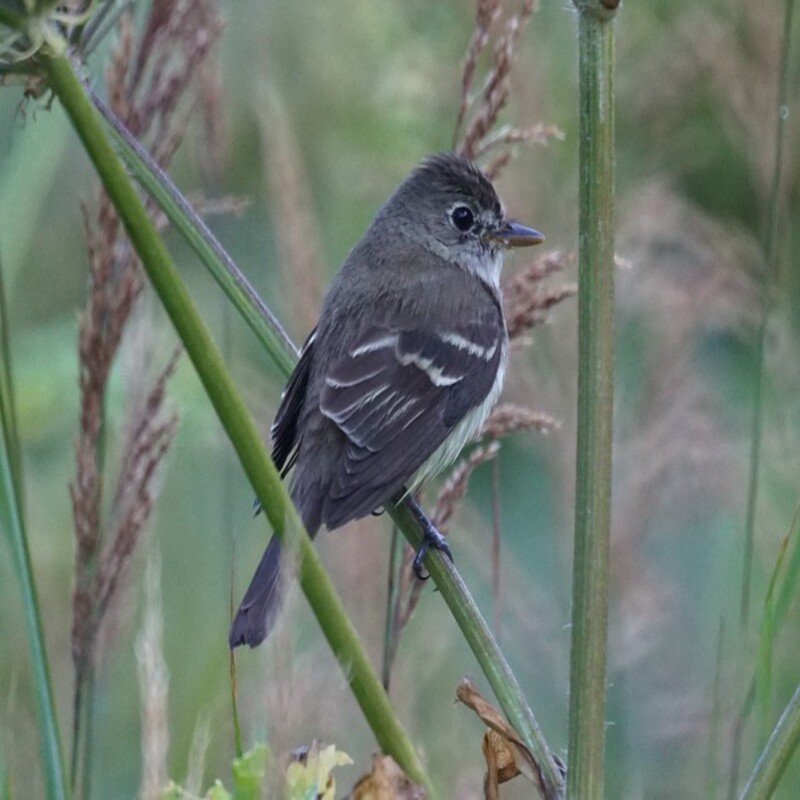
(13,522)
(783,583)
(768,282)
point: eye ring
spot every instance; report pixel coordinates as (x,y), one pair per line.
(462,217)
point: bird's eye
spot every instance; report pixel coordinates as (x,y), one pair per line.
(462,217)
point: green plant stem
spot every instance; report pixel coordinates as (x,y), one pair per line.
(482,643)
(392,592)
(8,409)
(585,778)
(777,753)
(445,576)
(13,524)
(202,241)
(770,275)
(235,419)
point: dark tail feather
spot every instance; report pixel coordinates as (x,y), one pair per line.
(262,601)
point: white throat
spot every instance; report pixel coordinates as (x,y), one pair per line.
(484,264)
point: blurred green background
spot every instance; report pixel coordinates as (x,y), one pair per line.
(366,89)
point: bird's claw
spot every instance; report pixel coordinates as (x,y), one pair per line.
(432,540)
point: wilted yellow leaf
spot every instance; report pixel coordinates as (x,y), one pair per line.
(387,782)
(505,754)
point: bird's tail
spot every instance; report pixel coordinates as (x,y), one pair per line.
(262,601)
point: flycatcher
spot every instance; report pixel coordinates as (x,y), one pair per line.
(405,364)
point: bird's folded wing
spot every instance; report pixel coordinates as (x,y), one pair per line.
(284,429)
(397,395)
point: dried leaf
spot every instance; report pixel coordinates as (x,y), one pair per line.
(500,764)
(506,755)
(387,782)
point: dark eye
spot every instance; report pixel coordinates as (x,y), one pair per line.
(462,217)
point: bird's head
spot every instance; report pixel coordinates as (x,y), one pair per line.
(451,208)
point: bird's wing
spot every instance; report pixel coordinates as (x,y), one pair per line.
(284,429)
(396,395)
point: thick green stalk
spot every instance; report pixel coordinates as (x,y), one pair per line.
(777,753)
(595,400)
(446,578)
(235,419)
(12,522)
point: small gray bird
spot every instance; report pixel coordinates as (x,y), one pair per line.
(406,362)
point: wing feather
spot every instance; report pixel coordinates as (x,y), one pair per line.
(396,395)
(284,429)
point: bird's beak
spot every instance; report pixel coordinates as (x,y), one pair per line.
(512,234)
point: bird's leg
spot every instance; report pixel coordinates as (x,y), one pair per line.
(431,539)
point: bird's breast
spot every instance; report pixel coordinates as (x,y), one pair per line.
(467,429)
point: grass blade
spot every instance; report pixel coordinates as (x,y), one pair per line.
(202,241)
(8,411)
(769,278)
(777,753)
(12,518)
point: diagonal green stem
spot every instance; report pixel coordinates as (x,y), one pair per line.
(484,646)
(446,578)
(595,401)
(236,420)
(777,753)
(202,241)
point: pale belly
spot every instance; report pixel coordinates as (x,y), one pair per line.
(462,434)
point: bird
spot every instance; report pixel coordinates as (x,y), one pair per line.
(403,367)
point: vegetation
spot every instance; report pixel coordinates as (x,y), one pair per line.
(286,126)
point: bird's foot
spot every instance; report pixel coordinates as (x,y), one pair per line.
(432,540)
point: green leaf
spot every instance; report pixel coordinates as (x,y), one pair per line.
(218,792)
(173,792)
(248,773)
